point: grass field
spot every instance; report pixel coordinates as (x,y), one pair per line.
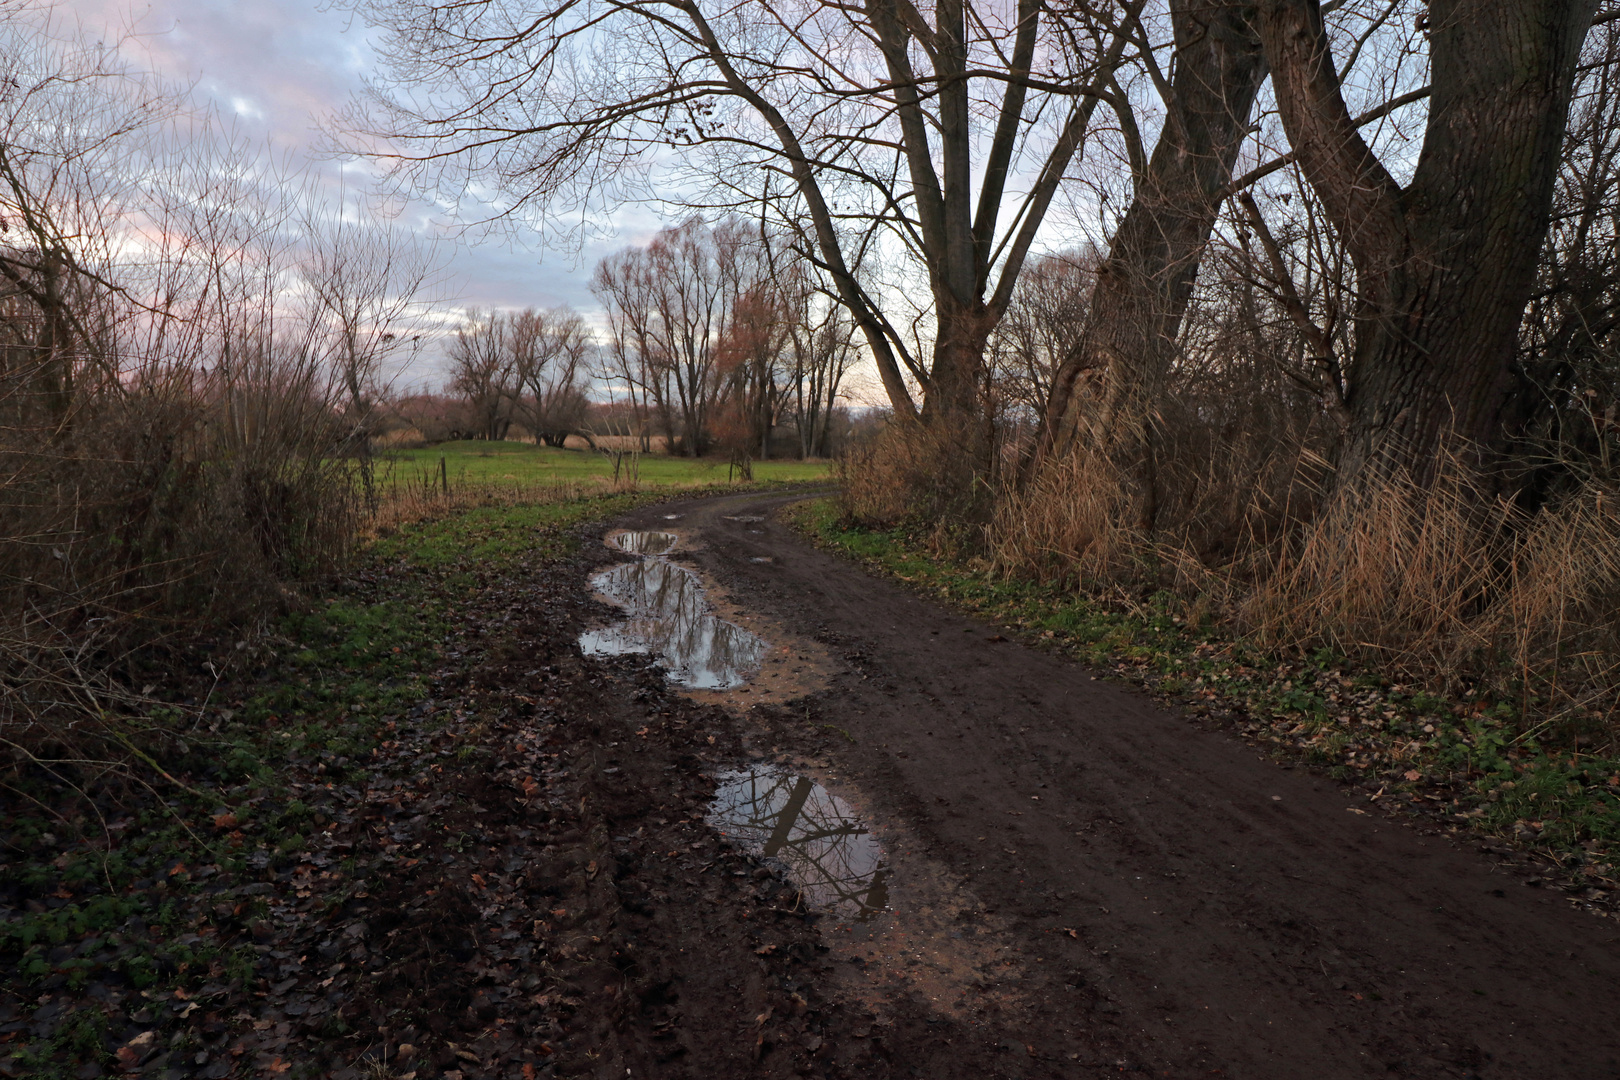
(495,463)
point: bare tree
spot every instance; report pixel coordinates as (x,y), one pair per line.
(637,352)
(550,352)
(1565,414)
(371,285)
(481,371)
(668,304)
(1207,89)
(625,361)
(823,352)
(77,126)
(945,131)
(752,369)
(1445,263)
(1044,321)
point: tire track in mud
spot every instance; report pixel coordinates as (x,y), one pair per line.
(1106,872)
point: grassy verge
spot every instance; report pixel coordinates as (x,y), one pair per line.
(525,464)
(135,909)
(1456,762)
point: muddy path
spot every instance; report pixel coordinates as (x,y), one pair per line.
(1080,875)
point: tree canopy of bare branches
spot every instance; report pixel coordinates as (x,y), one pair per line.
(925,140)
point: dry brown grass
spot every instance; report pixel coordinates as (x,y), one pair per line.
(915,473)
(1445,585)
(1452,587)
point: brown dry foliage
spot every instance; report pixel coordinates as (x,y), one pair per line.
(1452,585)
(147,516)
(915,473)
(1448,585)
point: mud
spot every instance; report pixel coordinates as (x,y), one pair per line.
(1089,882)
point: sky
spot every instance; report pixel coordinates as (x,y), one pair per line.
(275,68)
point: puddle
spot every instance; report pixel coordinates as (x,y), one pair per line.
(645,542)
(745,518)
(668,618)
(826,850)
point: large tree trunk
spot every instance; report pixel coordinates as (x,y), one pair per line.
(1143,288)
(1444,267)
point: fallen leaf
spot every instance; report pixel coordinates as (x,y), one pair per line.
(590,868)
(765,950)
(277,1066)
(225,821)
(1413,775)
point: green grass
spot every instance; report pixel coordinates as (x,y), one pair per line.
(523,463)
(349,663)
(491,535)
(1456,755)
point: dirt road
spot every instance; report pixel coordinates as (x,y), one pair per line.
(1137,881)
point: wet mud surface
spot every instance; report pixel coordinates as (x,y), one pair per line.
(1080,883)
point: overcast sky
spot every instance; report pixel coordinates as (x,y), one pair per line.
(277,67)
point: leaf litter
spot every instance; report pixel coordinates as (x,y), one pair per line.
(511,876)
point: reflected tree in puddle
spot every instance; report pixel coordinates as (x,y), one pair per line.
(645,542)
(668,618)
(817,838)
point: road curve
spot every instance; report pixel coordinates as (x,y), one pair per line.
(1228,915)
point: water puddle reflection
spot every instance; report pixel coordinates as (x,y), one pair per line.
(645,542)
(668,618)
(815,836)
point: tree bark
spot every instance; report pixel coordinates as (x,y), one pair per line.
(1445,266)
(1143,288)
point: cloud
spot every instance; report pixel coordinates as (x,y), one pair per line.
(274,69)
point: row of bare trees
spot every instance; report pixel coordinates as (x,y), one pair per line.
(719,334)
(914,153)
(530,366)
(717,337)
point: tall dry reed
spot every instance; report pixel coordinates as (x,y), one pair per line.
(1446,584)
(917,473)
(1449,585)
